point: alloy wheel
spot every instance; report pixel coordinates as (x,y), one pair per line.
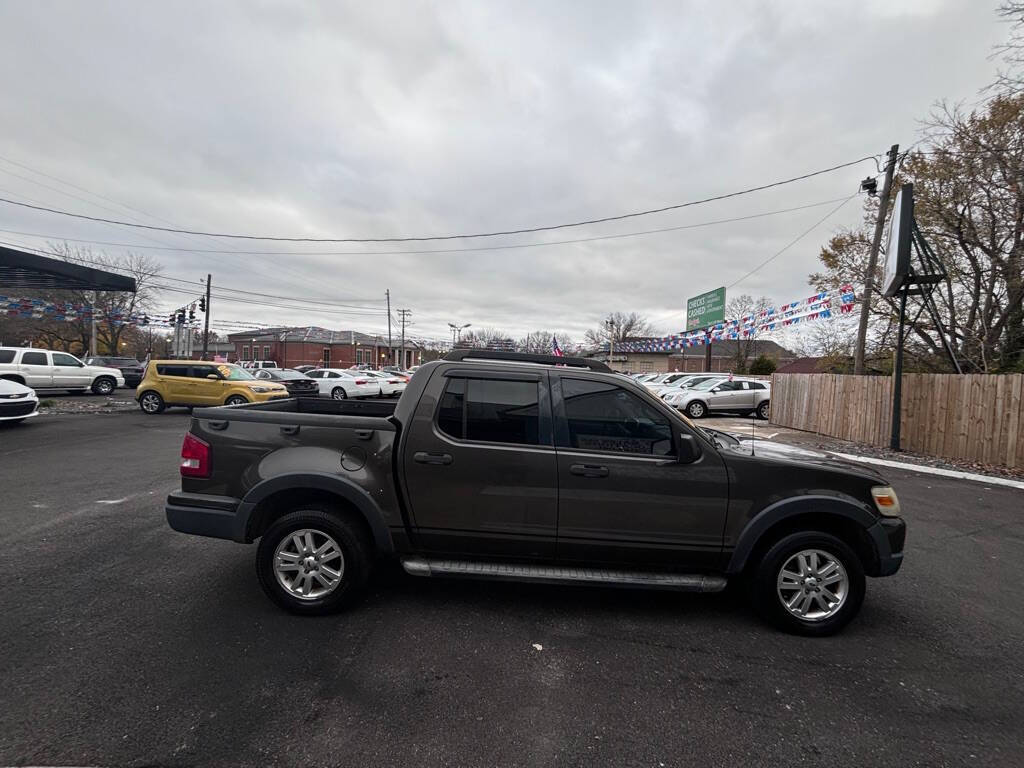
(813,585)
(150,402)
(308,564)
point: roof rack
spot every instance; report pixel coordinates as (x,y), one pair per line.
(457,355)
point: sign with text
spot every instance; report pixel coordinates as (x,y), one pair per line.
(706,309)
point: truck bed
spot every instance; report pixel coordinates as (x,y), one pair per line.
(278,411)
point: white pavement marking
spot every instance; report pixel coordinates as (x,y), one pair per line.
(934,470)
(113,501)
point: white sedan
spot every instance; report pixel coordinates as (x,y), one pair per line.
(341,383)
(17,402)
(391,384)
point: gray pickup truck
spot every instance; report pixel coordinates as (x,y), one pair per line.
(536,468)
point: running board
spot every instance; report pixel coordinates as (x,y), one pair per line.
(555,574)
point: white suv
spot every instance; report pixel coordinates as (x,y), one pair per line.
(47,369)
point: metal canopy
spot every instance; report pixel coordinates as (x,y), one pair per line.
(27,271)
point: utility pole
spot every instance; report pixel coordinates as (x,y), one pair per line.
(869,278)
(611,342)
(92,326)
(206,319)
(391,354)
(404,315)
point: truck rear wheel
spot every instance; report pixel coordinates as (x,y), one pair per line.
(313,561)
(808,583)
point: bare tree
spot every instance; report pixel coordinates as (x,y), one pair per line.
(1010,78)
(737,308)
(106,304)
(969,204)
(541,342)
(623,326)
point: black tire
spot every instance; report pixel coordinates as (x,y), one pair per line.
(338,393)
(765,594)
(104,385)
(235,400)
(696,410)
(151,403)
(356,551)
(764,410)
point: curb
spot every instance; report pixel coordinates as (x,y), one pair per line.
(990,480)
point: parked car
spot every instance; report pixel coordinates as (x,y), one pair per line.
(304,368)
(192,383)
(342,383)
(130,368)
(684,383)
(724,395)
(46,369)
(17,402)
(298,384)
(665,379)
(532,467)
(254,364)
(392,384)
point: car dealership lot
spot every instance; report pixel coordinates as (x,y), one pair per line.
(126,643)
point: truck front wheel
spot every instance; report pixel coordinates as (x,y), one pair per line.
(808,583)
(313,561)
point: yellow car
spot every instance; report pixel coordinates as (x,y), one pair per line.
(194,383)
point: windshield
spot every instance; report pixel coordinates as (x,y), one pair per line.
(233,372)
(705,385)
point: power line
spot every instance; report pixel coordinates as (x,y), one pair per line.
(525,230)
(793,242)
(696,225)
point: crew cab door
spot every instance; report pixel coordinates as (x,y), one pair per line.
(479,465)
(624,498)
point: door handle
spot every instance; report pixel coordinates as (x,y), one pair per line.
(589,470)
(289,430)
(421,457)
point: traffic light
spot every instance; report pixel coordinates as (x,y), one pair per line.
(181,316)
(202,304)
(145,319)
(170,318)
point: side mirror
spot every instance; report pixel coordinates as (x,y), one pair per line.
(213,376)
(81,364)
(689,449)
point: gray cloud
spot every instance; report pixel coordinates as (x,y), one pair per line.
(391,119)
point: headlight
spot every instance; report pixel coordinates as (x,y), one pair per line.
(263,389)
(885,500)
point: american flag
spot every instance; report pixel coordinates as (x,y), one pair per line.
(555,349)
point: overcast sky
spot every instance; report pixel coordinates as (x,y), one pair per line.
(392,119)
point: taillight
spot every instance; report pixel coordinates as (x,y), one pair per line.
(195,457)
(394,381)
(362,381)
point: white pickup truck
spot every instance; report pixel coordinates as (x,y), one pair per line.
(48,369)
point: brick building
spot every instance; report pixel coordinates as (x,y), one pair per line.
(310,345)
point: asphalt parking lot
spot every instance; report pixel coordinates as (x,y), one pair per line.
(125,643)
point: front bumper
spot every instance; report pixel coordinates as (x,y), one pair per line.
(889,535)
(205,515)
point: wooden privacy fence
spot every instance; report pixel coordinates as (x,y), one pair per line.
(976,417)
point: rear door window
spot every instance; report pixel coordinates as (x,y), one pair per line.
(491,411)
(202,371)
(34,358)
